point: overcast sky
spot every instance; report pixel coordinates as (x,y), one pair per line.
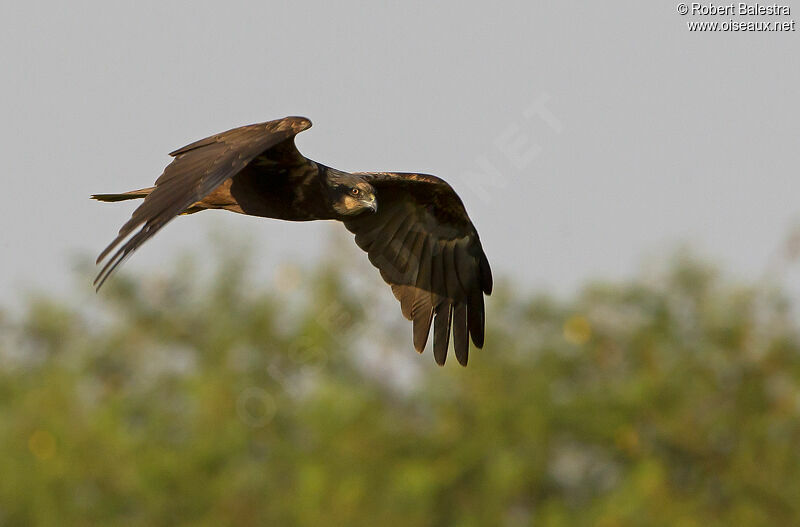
(582,136)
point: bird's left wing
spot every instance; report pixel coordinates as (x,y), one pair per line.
(427,249)
(197,169)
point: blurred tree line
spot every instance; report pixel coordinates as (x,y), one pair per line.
(195,398)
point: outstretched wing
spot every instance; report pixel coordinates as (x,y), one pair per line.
(197,169)
(427,249)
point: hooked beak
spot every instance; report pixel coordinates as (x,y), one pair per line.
(372,204)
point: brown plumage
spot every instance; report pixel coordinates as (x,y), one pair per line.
(413,227)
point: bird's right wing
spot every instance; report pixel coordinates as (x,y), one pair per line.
(198,168)
(426,247)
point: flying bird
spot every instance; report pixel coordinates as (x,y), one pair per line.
(413,227)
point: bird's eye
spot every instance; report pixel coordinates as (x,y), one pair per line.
(355,191)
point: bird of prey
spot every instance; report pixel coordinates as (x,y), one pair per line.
(413,227)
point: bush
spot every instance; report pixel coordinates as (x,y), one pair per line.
(204,400)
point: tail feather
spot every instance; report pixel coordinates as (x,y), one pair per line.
(133,194)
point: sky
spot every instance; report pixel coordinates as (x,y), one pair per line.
(583,137)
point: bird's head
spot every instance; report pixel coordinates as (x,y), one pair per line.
(351,194)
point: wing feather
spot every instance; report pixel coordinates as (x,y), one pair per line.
(380,248)
(441,331)
(460,335)
(450,272)
(421,314)
(475,319)
(422,310)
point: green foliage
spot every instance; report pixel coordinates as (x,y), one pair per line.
(206,400)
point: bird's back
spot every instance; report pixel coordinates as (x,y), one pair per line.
(294,193)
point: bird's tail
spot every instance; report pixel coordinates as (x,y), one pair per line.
(133,194)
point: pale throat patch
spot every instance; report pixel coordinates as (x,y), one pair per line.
(351,203)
